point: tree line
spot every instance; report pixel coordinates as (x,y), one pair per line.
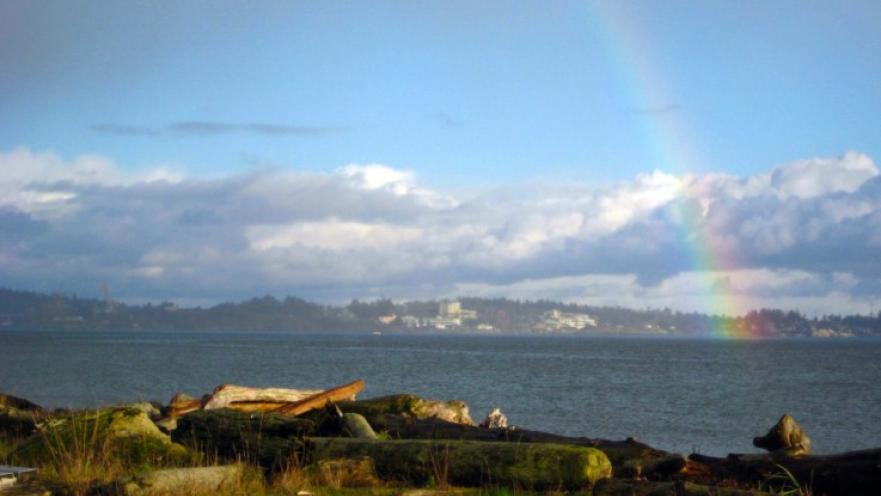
(24,310)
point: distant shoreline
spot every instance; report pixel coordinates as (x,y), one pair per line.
(631,335)
(24,311)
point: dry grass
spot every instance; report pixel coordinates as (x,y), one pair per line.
(6,445)
(79,458)
(249,482)
(440,467)
(292,479)
(787,484)
(77,452)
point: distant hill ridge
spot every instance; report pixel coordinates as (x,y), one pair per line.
(25,310)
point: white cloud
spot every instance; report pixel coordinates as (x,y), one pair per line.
(44,183)
(331,235)
(822,176)
(378,176)
(729,292)
(804,233)
(398,182)
(620,205)
(149,272)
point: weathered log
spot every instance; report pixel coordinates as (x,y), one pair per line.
(249,399)
(454,411)
(466,463)
(319,400)
(21,404)
(629,457)
(267,439)
(182,404)
(18,416)
(632,487)
(850,473)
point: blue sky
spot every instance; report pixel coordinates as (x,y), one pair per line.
(457,91)
(422,149)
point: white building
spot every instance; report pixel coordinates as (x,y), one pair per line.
(555,320)
(411,321)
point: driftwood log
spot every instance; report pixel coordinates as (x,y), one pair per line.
(320,400)
(267,439)
(468,463)
(635,487)
(408,405)
(394,416)
(850,473)
(182,404)
(249,399)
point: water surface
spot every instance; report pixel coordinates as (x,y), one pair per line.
(683,395)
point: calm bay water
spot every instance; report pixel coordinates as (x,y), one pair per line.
(681,395)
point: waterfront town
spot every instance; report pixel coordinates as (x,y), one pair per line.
(451,315)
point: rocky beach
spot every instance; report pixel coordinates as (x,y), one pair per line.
(244,440)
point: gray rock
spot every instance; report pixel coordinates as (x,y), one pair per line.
(786,437)
(194,480)
(495,420)
(150,408)
(357,426)
(348,472)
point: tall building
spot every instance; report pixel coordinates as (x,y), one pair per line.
(450,309)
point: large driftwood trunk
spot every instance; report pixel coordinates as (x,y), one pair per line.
(630,458)
(182,404)
(634,487)
(320,400)
(255,399)
(851,473)
(267,439)
(394,416)
(454,411)
(467,463)
(250,399)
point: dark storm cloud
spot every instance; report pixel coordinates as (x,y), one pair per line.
(18,226)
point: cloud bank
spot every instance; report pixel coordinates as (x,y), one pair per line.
(804,235)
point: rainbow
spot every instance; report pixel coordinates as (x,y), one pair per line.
(669,141)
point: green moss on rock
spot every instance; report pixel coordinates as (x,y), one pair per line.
(192,481)
(125,435)
(386,405)
(266,439)
(454,411)
(346,472)
(536,466)
(18,416)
